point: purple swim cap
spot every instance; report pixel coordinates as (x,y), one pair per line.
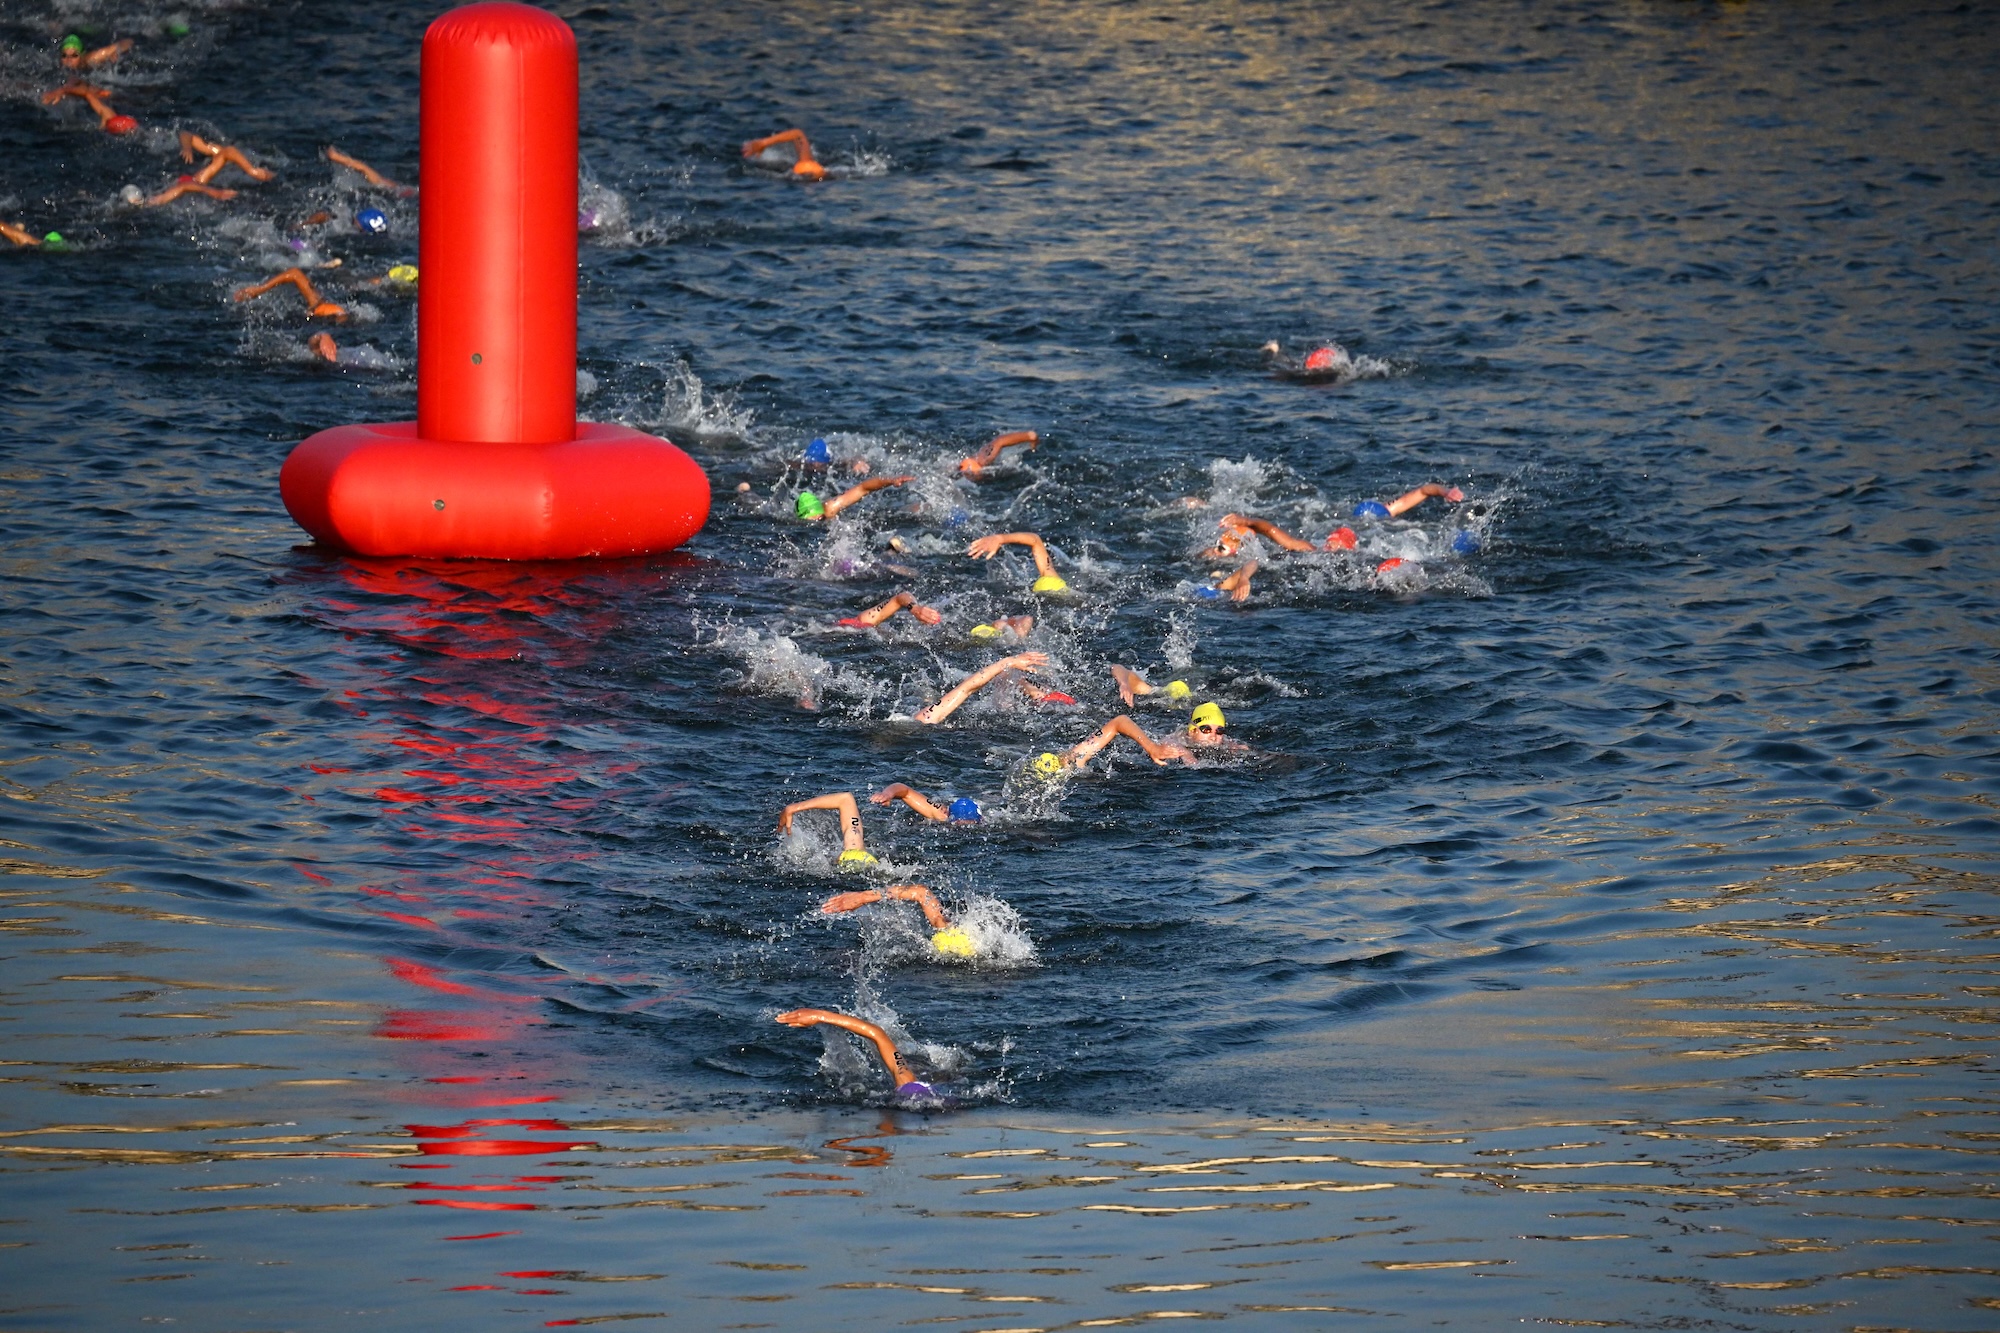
(914,1089)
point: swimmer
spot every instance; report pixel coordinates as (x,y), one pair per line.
(1235,527)
(907,1084)
(75,57)
(1131,685)
(1018,626)
(316,305)
(875,615)
(946,938)
(219,155)
(956,696)
(185,185)
(98,100)
(20,235)
(853,851)
(989,453)
(812,509)
(1049,581)
(807,168)
(368,173)
(1407,501)
(1325,362)
(964,810)
(1204,732)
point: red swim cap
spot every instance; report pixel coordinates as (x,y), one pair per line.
(1393,562)
(1340,539)
(1322,358)
(120,125)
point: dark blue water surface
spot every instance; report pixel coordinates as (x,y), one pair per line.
(1600,932)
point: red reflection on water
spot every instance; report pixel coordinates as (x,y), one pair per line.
(484,1235)
(477,1286)
(416,1025)
(480,1205)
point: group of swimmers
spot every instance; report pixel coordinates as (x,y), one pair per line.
(1203,737)
(208,159)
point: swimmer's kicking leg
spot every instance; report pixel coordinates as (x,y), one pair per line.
(806,168)
(907,1084)
(875,615)
(972,684)
(297,278)
(989,453)
(852,847)
(945,937)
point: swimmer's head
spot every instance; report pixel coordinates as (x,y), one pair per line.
(1051,583)
(404,273)
(176,28)
(72,45)
(808,170)
(818,453)
(1205,727)
(1371,509)
(1177,689)
(1206,592)
(984,631)
(1393,562)
(132,195)
(964,810)
(808,506)
(1465,542)
(329,310)
(1324,358)
(587,220)
(1046,765)
(373,221)
(854,856)
(915,1090)
(1340,539)
(120,125)
(954,942)
(54,241)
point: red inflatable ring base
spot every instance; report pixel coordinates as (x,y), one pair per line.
(382,490)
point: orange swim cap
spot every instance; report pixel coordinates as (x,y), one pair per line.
(808,170)
(1393,562)
(329,310)
(1323,358)
(120,125)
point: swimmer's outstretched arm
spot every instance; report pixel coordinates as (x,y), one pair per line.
(842,801)
(978,680)
(219,156)
(1266,528)
(95,97)
(868,487)
(1087,749)
(860,1027)
(875,615)
(19,235)
(986,547)
(1237,585)
(909,893)
(368,173)
(916,800)
(179,188)
(807,165)
(1130,683)
(989,453)
(103,55)
(1411,499)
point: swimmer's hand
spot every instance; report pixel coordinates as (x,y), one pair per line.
(848,902)
(895,791)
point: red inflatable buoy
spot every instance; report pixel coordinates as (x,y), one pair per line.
(496,464)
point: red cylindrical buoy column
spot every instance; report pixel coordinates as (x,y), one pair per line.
(496,305)
(496,464)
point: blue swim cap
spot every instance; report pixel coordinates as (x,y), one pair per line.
(817,452)
(1465,541)
(1371,509)
(1204,591)
(373,221)
(956,517)
(965,809)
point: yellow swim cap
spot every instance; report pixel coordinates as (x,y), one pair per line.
(855,856)
(1177,689)
(951,940)
(1207,715)
(403,273)
(1051,583)
(984,632)
(1046,765)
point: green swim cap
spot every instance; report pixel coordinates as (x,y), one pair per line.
(855,856)
(1051,583)
(176,28)
(72,45)
(809,506)
(1046,765)
(1178,689)
(955,942)
(54,241)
